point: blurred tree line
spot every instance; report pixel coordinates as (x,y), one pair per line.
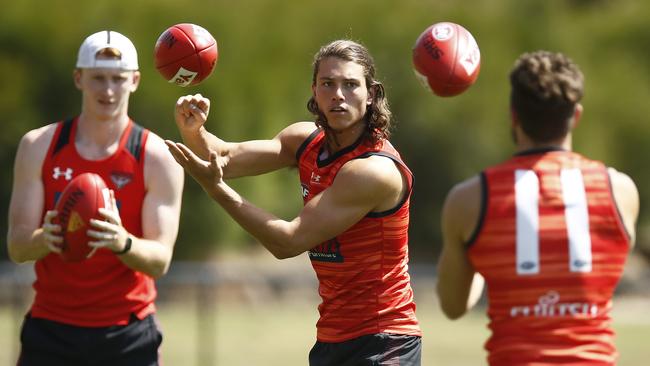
(262,83)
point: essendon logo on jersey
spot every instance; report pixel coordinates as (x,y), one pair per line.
(329,251)
(121,179)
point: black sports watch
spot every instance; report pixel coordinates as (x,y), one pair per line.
(127,246)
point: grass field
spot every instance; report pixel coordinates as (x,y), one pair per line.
(282,332)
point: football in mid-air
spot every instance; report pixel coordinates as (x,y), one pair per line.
(185,54)
(446,59)
(79,202)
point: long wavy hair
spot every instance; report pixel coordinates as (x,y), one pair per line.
(378,115)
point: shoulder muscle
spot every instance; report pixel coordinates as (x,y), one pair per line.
(159,163)
(376,180)
(33,148)
(462,208)
(626,197)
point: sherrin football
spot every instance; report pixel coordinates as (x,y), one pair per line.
(79,202)
(446,59)
(185,54)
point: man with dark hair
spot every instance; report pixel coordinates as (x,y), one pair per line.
(547,230)
(354,223)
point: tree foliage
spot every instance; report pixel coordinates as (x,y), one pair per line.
(262,83)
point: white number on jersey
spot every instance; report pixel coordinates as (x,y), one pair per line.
(575,212)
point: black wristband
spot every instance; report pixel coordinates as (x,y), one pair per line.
(127,246)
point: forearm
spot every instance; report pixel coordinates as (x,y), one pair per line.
(451,306)
(277,236)
(26,246)
(201,142)
(147,256)
(454,294)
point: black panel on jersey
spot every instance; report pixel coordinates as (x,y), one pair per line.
(134,142)
(64,136)
(481,218)
(304,144)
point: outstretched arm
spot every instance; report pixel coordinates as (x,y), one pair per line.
(239,159)
(361,186)
(459,286)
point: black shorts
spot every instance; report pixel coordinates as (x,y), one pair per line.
(373,350)
(46,342)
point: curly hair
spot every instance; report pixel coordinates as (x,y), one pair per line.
(546,87)
(378,115)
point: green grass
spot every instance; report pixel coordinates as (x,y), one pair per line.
(281,333)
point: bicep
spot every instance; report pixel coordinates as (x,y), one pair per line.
(357,190)
(255,157)
(27,195)
(162,203)
(327,215)
(262,156)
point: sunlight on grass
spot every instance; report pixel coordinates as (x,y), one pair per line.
(281,333)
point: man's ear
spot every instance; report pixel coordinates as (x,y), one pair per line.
(372,91)
(136,81)
(514,119)
(577,114)
(76,77)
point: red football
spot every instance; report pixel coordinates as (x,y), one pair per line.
(185,54)
(446,59)
(79,202)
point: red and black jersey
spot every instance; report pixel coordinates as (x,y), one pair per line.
(362,273)
(551,246)
(100,291)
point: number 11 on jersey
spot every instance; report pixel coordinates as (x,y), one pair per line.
(527,221)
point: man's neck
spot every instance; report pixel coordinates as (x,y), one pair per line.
(339,140)
(96,139)
(524,143)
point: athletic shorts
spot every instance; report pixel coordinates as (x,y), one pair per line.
(373,350)
(46,342)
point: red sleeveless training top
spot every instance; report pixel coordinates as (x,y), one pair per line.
(100,291)
(362,273)
(551,247)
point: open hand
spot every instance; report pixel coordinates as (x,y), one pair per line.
(109,232)
(209,174)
